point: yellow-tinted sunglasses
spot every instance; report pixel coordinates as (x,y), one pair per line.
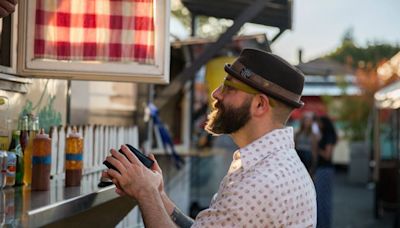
(229,85)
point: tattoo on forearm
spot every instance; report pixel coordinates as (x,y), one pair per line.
(180,219)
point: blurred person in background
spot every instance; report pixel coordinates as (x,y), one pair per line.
(324,173)
(306,142)
(7,7)
(267,185)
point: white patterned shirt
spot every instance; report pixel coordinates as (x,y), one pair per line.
(266,186)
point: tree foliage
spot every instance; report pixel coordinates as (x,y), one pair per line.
(355,110)
(357,56)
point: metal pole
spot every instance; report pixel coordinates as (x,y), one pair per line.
(68,111)
(150,126)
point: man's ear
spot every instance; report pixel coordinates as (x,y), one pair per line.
(262,104)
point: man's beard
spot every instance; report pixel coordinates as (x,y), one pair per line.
(227,120)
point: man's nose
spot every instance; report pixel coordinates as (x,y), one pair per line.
(217,93)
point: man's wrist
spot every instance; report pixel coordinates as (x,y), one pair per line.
(168,204)
(144,194)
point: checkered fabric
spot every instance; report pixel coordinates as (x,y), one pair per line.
(95,30)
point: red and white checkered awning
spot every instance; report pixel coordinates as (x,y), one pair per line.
(95,30)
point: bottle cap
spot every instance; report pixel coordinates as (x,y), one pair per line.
(42,134)
(74,133)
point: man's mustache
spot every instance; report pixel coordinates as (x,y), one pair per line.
(217,105)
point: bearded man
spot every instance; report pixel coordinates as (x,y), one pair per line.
(266,185)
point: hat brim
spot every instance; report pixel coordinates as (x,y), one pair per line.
(295,104)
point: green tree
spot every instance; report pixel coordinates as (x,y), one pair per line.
(355,110)
(357,56)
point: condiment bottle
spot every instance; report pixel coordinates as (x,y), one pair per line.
(73,159)
(12,159)
(33,131)
(41,162)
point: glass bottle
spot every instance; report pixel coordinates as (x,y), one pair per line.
(73,159)
(24,128)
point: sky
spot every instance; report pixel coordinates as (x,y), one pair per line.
(319,26)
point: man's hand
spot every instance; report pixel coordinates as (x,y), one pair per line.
(143,184)
(133,178)
(7,7)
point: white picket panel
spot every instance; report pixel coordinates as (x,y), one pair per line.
(96,145)
(54,150)
(100,152)
(61,150)
(107,146)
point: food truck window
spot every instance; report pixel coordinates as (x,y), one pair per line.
(96,40)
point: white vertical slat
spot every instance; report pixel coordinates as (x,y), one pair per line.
(110,137)
(85,179)
(61,150)
(129,136)
(54,153)
(54,150)
(68,130)
(113,137)
(60,189)
(90,147)
(100,152)
(96,145)
(120,136)
(80,129)
(126,135)
(135,136)
(106,142)
(86,147)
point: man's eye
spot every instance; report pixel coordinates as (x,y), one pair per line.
(228,88)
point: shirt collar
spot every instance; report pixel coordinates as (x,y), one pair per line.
(276,140)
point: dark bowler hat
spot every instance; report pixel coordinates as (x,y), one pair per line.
(269,74)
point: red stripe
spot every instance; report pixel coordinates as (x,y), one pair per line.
(116,22)
(89,49)
(39,47)
(115,50)
(144,23)
(63,50)
(89,21)
(40,15)
(143,51)
(63,19)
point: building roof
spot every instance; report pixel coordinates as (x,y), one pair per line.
(323,77)
(277,13)
(324,67)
